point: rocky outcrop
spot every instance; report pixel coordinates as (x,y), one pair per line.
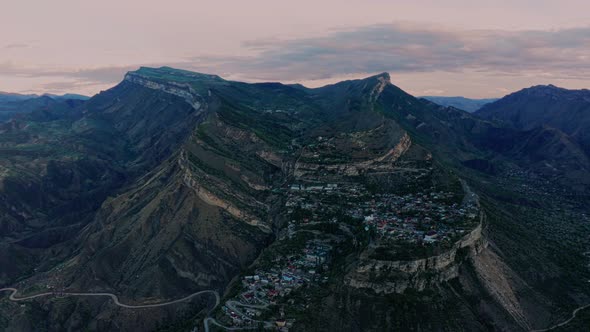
(384,80)
(383,163)
(503,285)
(185,91)
(212,199)
(386,277)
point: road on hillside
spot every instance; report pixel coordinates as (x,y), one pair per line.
(114,297)
(565,322)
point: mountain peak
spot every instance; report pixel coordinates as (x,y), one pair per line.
(553,91)
(545,87)
(384,76)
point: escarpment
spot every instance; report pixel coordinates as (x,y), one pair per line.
(386,277)
(183,90)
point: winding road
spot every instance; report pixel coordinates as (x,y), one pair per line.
(113,297)
(565,322)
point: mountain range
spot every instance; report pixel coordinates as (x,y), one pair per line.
(545,105)
(174,182)
(462,103)
(12,104)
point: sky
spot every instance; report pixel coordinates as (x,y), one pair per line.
(471,48)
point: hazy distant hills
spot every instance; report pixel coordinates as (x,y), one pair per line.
(7,96)
(12,104)
(462,103)
(545,105)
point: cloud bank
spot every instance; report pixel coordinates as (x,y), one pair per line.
(403,48)
(407,48)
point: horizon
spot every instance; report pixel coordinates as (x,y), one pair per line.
(454,49)
(60,94)
(268,81)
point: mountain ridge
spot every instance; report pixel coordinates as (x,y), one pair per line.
(537,106)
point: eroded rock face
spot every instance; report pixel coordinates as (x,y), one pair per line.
(184,91)
(386,277)
(212,199)
(382,163)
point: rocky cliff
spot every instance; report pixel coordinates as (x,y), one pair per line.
(386,277)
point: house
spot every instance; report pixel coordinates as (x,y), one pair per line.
(248,296)
(431,236)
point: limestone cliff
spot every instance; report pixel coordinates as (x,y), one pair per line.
(386,277)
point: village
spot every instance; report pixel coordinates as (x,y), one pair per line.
(271,286)
(423,217)
(305,248)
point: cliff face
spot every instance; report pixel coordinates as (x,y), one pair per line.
(383,163)
(386,277)
(182,90)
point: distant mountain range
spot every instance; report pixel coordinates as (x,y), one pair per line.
(462,103)
(12,104)
(545,105)
(7,96)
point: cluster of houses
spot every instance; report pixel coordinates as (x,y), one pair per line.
(271,286)
(424,218)
(314,187)
(430,217)
(320,200)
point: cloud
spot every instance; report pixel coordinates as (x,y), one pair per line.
(55,79)
(400,48)
(16,46)
(412,48)
(434,92)
(69,85)
(106,74)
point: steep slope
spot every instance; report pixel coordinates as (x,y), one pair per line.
(198,163)
(566,110)
(534,188)
(61,164)
(493,148)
